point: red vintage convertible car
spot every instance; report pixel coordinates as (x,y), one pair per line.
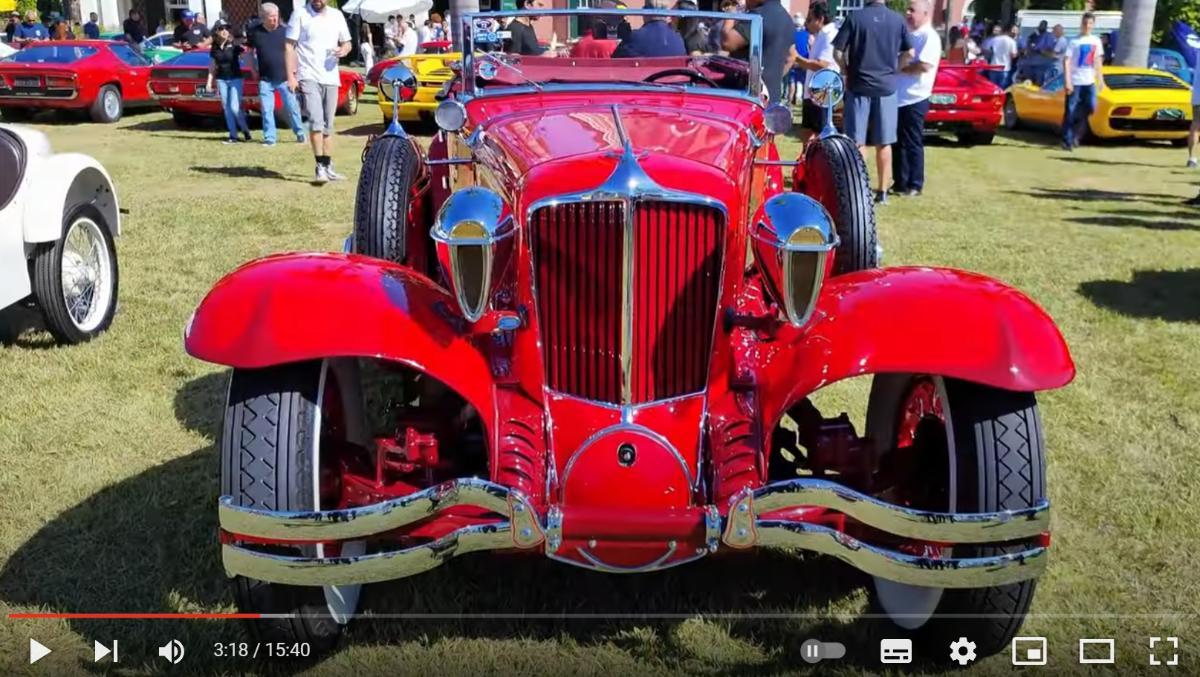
(581,362)
(99,77)
(965,103)
(179,86)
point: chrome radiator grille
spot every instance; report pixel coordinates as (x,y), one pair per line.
(579,253)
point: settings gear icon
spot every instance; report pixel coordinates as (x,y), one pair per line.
(962,651)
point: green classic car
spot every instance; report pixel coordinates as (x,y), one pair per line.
(157,47)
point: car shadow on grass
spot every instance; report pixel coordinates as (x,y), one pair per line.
(244,172)
(1095,195)
(1171,295)
(23,327)
(1164,221)
(1110,163)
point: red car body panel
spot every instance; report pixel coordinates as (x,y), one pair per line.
(978,103)
(249,320)
(89,74)
(174,86)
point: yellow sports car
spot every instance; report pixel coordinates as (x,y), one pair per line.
(416,104)
(1135,102)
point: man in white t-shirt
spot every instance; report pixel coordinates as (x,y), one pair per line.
(1001,51)
(820,56)
(317,36)
(406,39)
(914,86)
(1082,78)
(1194,133)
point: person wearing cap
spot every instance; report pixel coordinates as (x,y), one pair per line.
(225,66)
(317,36)
(30,30)
(269,39)
(191,34)
(656,37)
(133,30)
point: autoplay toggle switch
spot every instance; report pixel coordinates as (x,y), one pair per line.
(813,651)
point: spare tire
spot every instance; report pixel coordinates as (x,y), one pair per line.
(835,175)
(383,205)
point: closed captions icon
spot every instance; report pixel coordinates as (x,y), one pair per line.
(895,651)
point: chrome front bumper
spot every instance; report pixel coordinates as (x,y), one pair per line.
(743,527)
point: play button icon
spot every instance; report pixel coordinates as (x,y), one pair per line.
(37,651)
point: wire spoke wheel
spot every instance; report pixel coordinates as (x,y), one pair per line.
(86,275)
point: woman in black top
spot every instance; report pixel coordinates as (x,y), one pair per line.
(695,38)
(225,66)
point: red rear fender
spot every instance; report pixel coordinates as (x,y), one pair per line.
(295,307)
(919,320)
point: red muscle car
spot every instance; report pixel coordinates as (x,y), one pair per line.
(179,85)
(100,77)
(965,103)
(582,364)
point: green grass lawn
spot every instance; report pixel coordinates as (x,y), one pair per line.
(108,469)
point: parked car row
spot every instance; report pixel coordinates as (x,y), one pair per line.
(103,78)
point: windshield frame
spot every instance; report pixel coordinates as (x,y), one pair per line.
(465,36)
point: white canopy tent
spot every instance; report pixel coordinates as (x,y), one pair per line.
(378,11)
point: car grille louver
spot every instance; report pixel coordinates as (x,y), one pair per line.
(578,251)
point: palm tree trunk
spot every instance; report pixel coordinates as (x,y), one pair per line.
(1137,22)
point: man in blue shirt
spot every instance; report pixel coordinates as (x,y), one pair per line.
(91,29)
(656,37)
(30,30)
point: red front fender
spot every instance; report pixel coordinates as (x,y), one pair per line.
(294,307)
(921,320)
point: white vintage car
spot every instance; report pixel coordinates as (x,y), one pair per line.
(59,221)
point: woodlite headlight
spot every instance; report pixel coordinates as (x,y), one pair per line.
(793,237)
(474,232)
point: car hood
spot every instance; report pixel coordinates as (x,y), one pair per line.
(715,134)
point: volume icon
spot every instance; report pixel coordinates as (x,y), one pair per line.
(172,651)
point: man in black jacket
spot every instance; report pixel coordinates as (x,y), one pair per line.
(524,39)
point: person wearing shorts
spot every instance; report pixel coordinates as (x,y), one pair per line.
(317,37)
(871,46)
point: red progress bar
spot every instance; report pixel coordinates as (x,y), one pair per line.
(71,616)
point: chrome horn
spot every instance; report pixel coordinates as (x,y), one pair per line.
(793,237)
(473,232)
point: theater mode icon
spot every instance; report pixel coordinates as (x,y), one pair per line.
(1097,651)
(1029,651)
(895,651)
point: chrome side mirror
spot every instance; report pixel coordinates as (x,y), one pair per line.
(826,89)
(793,237)
(397,83)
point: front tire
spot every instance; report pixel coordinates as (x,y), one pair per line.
(969,448)
(384,205)
(75,278)
(836,176)
(107,107)
(1011,119)
(277,421)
